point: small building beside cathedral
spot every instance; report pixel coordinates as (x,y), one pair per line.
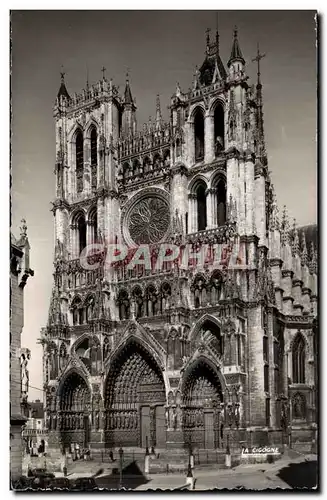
(221,339)
(19,273)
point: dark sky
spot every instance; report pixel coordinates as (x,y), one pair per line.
(159,48)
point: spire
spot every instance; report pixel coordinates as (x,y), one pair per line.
(313,260)
(285,228)
(62,90)
(261,151)
(304,251)
(274,220)
(208,30)
(158,113)
(128,99)
(217,35)
(295,241)
(236,54)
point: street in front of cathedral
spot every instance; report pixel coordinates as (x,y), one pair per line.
(180,349)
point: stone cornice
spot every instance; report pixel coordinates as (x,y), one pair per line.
(232,152)
(287,273)
(297,282)
(288,297)
(179,168)
(252,238)
(276,262)
(59,203)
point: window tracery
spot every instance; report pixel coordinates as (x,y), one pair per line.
(298,359)
(79,161)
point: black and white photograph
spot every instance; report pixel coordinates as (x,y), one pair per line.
(164,250)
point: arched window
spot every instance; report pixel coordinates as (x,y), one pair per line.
(165,297)
(202,206)
(221,203)
(77,312)
(136,167)
(81,228)
(89,308)
(146,165)
(138,300)
(94,157)
(298,357)
(93,225)
(219,130)
(79,161)
(124,305)
(199,135)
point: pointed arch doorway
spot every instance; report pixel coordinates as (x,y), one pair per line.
(203,406)
(73,420)
(135,398)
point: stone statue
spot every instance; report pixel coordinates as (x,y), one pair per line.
(24,373)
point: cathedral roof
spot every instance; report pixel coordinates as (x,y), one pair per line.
(236,53)
(208,68)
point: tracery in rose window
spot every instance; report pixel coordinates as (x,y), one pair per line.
(149,220)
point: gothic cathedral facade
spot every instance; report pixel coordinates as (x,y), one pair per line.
(198,348)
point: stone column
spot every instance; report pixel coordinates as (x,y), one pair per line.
(249,194)
(209,208)
(260,208)
(209,140)
(192,213)
(191,143)
(240,201)
(179,192)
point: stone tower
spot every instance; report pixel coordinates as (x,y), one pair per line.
(219,338)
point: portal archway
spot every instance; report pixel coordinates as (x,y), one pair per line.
(134,399)
(73,417)
(202,400)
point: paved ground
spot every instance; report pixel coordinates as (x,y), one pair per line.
(286,473)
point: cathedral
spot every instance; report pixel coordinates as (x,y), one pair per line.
(222,342)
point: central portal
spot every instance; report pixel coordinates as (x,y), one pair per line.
(135,399)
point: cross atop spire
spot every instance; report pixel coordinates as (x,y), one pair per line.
(258,59)
(62,74)
(208,31)
(103,70)
(217,34)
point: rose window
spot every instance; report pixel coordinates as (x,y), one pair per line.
(149,219)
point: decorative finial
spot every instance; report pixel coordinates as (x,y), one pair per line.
(295,242)
(285,227)
(304,251)
(87,78)
(103,70)
(235,31)
(313,259)
(23,228)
